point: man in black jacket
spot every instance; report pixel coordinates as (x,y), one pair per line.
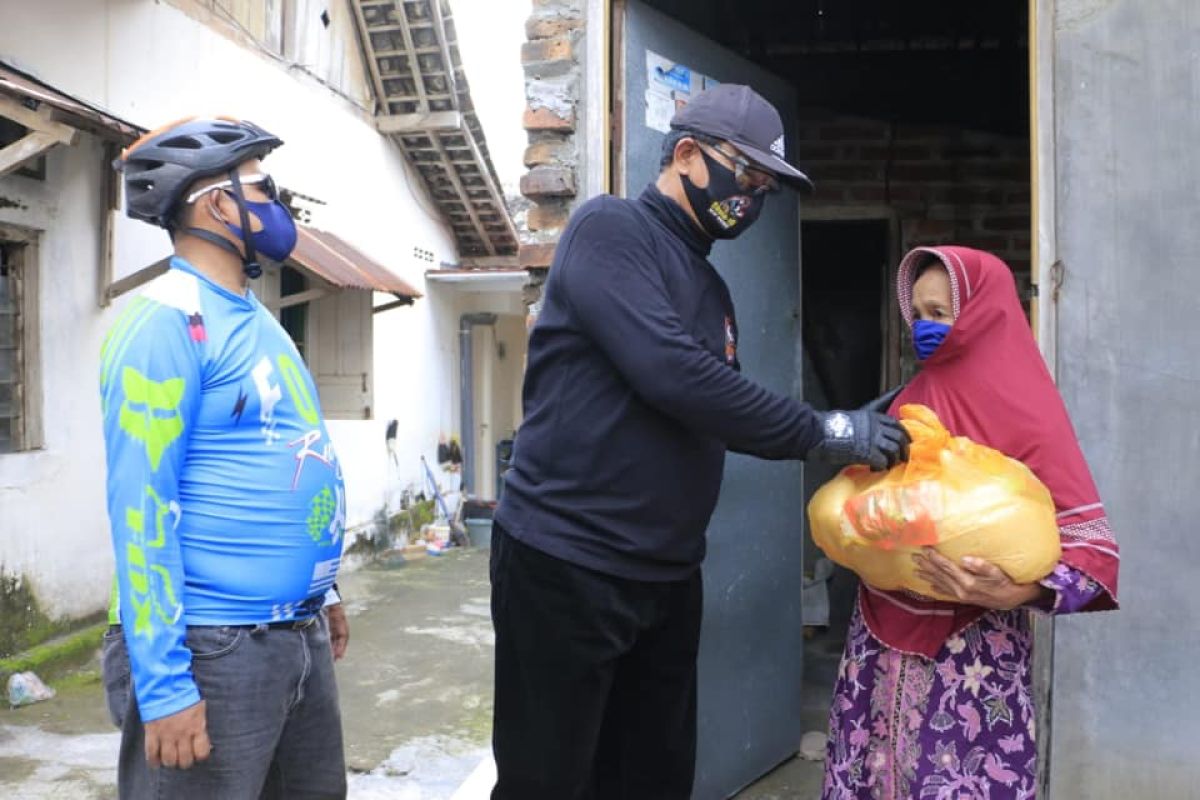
(633,394)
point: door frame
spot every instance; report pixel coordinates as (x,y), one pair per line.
(1043,263)
(892,335)
(605,22)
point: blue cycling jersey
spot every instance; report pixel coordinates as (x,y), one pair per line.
(225,497)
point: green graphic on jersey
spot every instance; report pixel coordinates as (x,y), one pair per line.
(321,514)
(153,593)
(298,389)
(118,336)
(150,412)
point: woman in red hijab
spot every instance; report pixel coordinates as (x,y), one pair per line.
(933,699)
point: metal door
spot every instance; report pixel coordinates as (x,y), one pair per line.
(752,644)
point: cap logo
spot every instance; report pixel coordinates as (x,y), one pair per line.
(777,147)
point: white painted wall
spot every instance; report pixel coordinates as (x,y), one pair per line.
(151,63)
(53,525)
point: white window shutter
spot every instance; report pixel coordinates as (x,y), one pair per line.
(343,342)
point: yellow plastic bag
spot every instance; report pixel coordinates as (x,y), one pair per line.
(962,498)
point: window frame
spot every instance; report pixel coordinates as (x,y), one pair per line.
(28,435)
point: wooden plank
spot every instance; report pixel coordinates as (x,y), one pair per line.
(410,46)
(403,301)
(434,121)
(142,276)
(364,40)
(490,262)
(110,195)
(290,300)
(37,121)
(30,146)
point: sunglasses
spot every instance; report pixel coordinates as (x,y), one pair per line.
(264,182)
(749,178)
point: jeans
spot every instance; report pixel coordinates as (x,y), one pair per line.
(272,717)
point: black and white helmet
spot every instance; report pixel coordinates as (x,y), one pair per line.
(160,166)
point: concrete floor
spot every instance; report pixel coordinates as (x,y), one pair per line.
(416,690)
(798,779)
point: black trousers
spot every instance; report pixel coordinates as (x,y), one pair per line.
(595,680)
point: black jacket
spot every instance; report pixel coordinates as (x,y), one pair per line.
(632,395)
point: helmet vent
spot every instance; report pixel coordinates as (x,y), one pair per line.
(183,142)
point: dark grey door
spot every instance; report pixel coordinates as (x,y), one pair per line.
(751,648)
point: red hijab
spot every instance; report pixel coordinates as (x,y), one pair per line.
(987,381)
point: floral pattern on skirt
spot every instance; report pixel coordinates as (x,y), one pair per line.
(959,727)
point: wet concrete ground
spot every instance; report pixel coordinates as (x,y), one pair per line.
(416,690)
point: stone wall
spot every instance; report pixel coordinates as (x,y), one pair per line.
(552,58)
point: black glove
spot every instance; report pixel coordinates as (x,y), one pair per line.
(861,437)
(884,401)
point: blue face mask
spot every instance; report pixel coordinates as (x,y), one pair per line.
(928,336)
(277,238)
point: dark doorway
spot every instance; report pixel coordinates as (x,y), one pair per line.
(845,298)
(912,120)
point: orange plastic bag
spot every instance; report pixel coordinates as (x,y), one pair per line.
(962,498)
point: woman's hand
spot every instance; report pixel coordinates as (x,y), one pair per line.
(976,582)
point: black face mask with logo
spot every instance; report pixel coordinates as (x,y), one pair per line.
(724,209)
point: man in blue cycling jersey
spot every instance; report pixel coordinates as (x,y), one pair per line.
(225,496)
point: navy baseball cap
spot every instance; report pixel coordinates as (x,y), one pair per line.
(743,117)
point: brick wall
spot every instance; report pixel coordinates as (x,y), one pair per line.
(552,60)
(944,185)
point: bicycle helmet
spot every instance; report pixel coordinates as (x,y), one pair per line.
(161,165)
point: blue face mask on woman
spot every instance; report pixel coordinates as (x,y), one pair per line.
(928,336)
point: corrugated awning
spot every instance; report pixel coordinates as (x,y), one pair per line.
(340,264)
(76,113)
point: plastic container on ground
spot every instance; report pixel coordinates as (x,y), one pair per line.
(480,531)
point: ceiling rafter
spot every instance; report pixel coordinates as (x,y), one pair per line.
(424,104)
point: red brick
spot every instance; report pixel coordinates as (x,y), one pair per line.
(866,194)
(548,182)
(847,171)
(548,27)
(906,194)
(996,170)
(974,195)
(930,171)
(807,153)
(546,152)
(1014,222)
(543,119)
(829,194)
(536,255)
(897,153)
(992,244)
(852,131)
(548,216)
(930,228)
(911,132)
(556,49)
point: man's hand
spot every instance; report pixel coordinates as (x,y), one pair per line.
(976,582)
(861,437)
(339,630)
(179,740)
